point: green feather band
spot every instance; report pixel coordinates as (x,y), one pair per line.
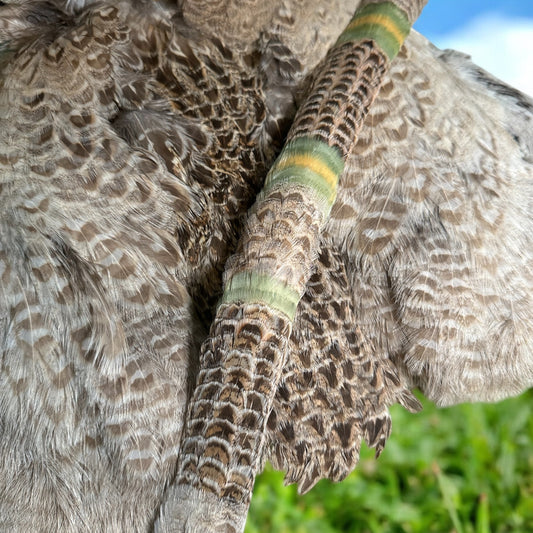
(385,23)
(252,287)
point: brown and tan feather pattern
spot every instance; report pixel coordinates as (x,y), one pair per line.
(133,137)
(335,389)
(131,146)
(242,361)
(434,216)
(118,202)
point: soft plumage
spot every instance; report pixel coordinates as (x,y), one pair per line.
(134,136)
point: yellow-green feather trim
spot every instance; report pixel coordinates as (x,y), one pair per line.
(385,23)
(308,162)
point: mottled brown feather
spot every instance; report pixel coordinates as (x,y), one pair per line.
(133,138)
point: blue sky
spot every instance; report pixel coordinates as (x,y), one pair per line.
(498,34)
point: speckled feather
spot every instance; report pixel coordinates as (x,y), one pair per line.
(133,138)
(223,440)
(434,216)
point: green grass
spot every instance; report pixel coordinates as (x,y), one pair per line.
(466,469)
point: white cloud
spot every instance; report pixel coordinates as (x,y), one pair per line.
(502,46)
